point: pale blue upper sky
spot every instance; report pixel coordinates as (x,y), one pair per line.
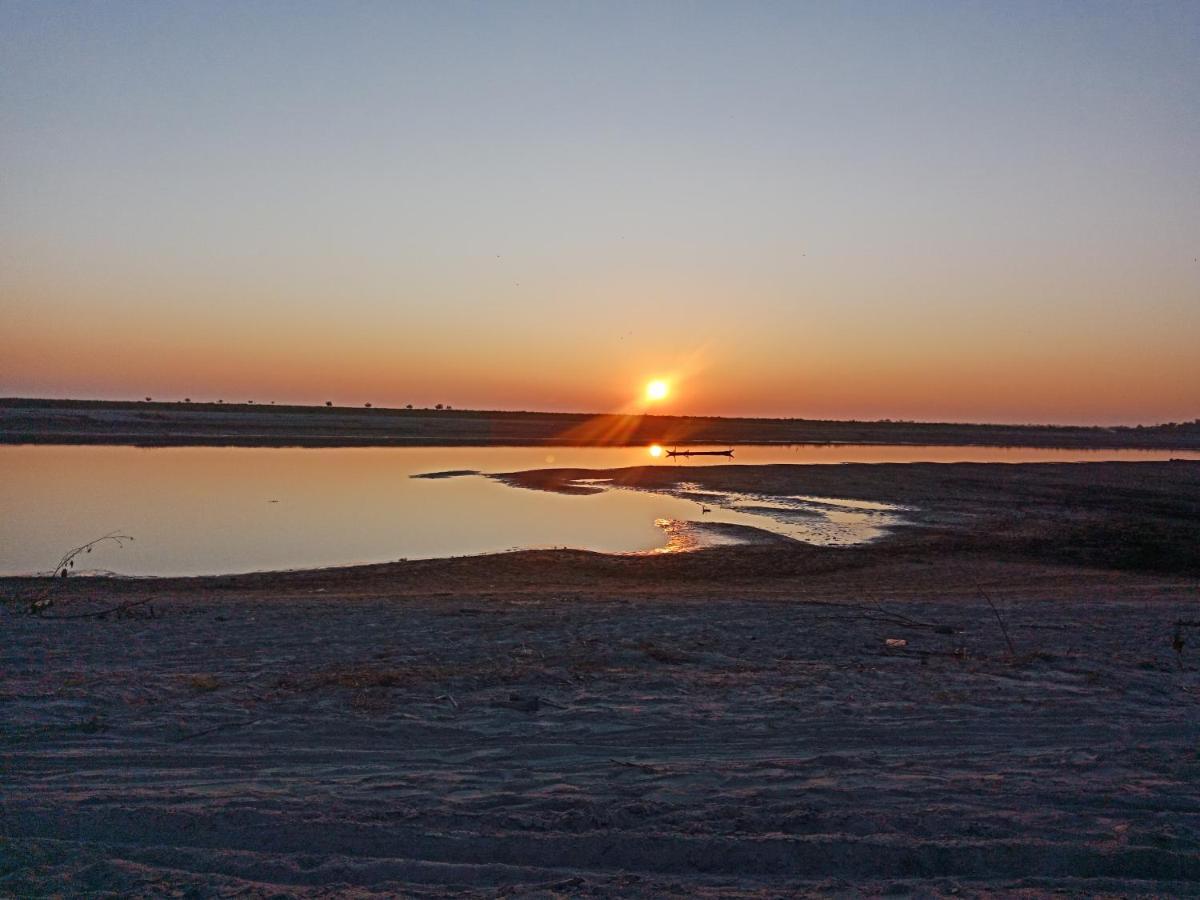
(807,196)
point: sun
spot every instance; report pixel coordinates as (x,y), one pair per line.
(657,389)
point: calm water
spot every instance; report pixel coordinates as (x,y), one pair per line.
(201,510)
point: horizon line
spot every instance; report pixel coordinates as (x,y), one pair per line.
(368,407)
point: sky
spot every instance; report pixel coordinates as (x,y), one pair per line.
(913,210)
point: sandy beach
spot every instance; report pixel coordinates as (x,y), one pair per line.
(751,721)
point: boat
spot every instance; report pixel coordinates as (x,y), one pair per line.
(728,453)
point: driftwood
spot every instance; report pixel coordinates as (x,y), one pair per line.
(63,568)
(101,613)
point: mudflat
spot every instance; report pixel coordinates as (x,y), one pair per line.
(967,706)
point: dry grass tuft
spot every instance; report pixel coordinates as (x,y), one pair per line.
(663,654)
(203,683)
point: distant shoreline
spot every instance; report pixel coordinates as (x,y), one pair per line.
(158,424)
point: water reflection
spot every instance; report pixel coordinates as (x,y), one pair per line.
(819,454)
(203,510)
(825,521)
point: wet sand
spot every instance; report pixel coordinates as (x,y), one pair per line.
(730,722)
(1132,516)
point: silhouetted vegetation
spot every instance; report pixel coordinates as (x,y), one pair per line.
(43,597)
(48,421)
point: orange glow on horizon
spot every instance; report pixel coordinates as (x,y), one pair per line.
(170,355)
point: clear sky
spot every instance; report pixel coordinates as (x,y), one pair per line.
(967,211)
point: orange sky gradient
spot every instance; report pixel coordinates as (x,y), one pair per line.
(925,211)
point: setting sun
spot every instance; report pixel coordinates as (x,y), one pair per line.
(629,365)
(657,389)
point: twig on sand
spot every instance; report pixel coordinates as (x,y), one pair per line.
(526,704)
(901,618)
(222,727)
(119,608)
(885,619)
(876,612)
(1012,650)
(573,882)
(645,767)
(453,702)
(923,655)
(1177,640)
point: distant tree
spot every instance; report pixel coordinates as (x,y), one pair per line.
(439,406)
(148,399)
(409,406)
(187,399)
(220,401)
(329,403)
(447,406)
(251,402)
(367,405)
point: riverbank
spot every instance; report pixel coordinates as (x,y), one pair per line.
(156,424)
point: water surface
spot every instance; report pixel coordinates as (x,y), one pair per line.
(210,510)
